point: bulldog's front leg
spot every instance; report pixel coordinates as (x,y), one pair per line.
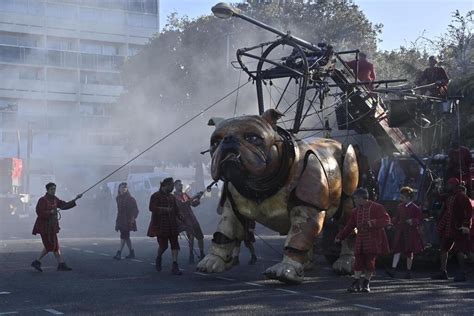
(306,224)
(228,231)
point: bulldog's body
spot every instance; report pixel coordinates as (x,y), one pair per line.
(291,186)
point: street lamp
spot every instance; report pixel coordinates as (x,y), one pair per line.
(224,10)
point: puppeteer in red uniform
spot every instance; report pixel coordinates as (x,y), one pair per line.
(47,225)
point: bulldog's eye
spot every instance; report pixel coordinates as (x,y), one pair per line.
(254,139)
(215,142)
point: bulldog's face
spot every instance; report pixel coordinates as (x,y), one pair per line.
(242,147)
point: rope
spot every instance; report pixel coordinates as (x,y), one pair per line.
(166,136)
(266,243)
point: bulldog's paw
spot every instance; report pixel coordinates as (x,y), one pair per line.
(343,265)
(287,271)
(212,263)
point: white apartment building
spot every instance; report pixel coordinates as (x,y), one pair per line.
(59,70)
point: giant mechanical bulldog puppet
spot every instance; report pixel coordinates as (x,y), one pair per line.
(291,186)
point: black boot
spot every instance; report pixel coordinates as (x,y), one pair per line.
(201,255)
(442,275)
(366,286)
(355,286)
(158,263)
(37,265)
(191,258)
(175,269)
(118,255)
(235,261)
(408,275)
(253,260)
(63,267)
(131,255)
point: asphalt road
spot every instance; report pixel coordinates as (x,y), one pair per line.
(100,285)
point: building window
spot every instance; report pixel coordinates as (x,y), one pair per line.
(8,113)
(104,78)
(134,49)
(142,20)
(60,43)
(62,75)
(15,39)
(30,73)
(62,11)
(92,109)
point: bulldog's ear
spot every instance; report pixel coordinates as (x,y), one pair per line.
(214,121)
(272,116)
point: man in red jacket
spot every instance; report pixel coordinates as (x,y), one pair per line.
(364,69)
(47,225)
(164,225)
(436,78)
(369,218)
(454,228)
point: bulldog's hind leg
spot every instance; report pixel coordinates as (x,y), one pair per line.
(228,231)
(306,224)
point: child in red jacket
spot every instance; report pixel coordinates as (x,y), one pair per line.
(406,223)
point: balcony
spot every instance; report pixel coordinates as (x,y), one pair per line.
(59,58)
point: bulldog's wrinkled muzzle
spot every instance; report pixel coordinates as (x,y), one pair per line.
(230,164)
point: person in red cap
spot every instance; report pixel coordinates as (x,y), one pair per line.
(164,223)
(454,228)
(47,225)
(369,218)
(435,78)
(407,238)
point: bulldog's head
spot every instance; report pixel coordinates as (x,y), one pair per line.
(246,147)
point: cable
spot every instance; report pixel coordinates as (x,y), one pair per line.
(166,136)
(266,243)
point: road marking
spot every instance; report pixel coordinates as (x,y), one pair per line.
(224,278)
(4,293)
(323,298)
(368,307)
(95,244)
(8,313)
(153,264)
(200,273)
(254,284)
(76,249)
(53,311)
(136,260)
(288,291)
(89,251)
(104,254)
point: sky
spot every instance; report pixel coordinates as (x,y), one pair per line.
(404,20)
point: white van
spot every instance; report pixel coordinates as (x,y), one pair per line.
(148,182)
